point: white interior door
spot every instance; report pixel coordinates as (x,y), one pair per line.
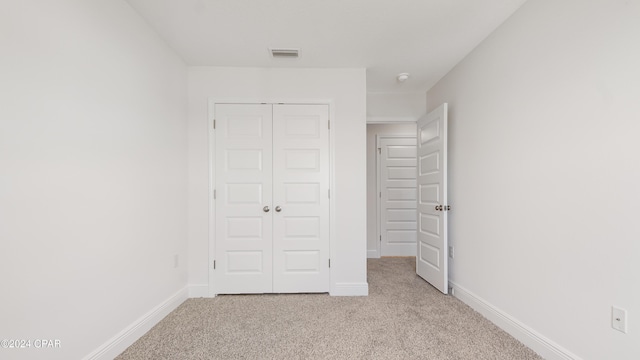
(431,260)
(301,198)
(398,195)
(243,198)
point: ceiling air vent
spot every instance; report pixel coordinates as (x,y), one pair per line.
(285,53)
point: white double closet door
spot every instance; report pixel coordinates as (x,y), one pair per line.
(271,198)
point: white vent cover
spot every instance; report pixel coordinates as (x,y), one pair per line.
(284,53)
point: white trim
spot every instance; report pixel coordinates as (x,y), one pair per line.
(378,199)
(373,254)
(212,206)
(534,340)
(333,192)
(135,330)
(390,120)
(198,290)
(350,289)
(211,181)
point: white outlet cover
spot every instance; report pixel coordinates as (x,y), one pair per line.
(619,319)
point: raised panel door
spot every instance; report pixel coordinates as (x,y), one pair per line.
(243,188)
(431,258)
(301,198)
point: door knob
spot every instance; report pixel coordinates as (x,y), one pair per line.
(265,209)
(278,209)
(439,207)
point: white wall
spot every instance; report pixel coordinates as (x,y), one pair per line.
(395,107)
(374,130)
(545,174)
(93,173)
(346,88)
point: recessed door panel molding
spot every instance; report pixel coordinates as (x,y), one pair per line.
(399,236)
(244,159)
(429,163)
(429,194)
(302,127)
(302,159)
(272,204)
(402,215)
(430,225)
(397,195)
(301,227)
(245,127)
(430,256)
(301,262)
(238,194)
(402,153)
(402,194)
(245,262)
(431,261)
(244,227)
(429,132)
(401,173)
(301,193)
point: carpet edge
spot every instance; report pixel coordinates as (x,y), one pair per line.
(127,336)
(542,345)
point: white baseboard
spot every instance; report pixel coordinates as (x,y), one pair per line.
(198,290)
(350,289)
(133,332)
(373,254)
(534,340)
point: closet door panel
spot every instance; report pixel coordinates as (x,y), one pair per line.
(300,192)
(243,188)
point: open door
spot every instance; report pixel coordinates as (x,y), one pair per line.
(431,259)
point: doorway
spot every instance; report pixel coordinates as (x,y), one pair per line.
(404,129)
(397,195)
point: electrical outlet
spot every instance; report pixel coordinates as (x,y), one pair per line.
(451,252)
(619,319)
(176,260)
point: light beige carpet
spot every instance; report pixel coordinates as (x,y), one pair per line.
(402,318)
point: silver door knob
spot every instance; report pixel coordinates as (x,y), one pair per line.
(278,209)
(265,209)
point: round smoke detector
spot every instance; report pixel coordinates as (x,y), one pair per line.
(403,77)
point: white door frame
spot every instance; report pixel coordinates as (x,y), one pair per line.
(379,188)
(212,176)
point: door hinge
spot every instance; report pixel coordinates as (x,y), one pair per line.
(380,193)
(214,264)
(214,124)
(329,193)
(329,124)
(380,238)
(214,194)
(329,262)
(379,150)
